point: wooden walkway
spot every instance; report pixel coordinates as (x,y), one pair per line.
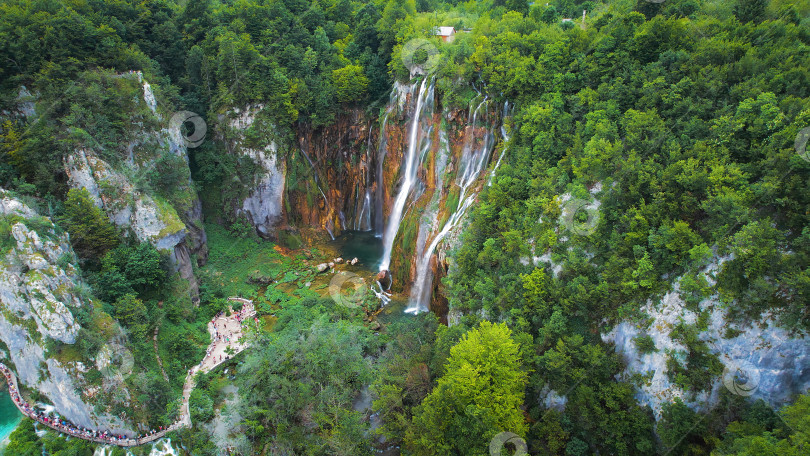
(206,365)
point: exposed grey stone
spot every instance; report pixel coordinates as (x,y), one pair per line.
(38,294)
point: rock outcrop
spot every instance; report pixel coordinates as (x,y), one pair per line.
(774,363)
(172,226)
(40,290)
(263,206)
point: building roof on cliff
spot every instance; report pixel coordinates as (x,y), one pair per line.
(444,31)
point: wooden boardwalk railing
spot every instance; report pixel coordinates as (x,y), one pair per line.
(104,437)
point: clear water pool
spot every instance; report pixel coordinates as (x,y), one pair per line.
(364,245)
(10,417)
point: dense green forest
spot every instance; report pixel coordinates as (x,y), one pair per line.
(681,115)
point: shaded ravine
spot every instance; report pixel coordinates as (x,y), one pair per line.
(208,363)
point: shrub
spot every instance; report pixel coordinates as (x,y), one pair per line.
(645,344)
(91,233)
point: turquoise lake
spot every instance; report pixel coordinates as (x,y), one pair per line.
(10,417)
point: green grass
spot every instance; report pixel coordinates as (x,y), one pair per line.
(232,260)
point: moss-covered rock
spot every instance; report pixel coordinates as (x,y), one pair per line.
(40,298)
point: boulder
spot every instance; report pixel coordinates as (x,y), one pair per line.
(354,261)
(257,278)
(338,260)
(323,267)
(385,279)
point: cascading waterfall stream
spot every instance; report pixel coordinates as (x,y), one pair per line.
(505,137)
(473,161)
(412,161)
(479,142)
(420,293)
(362,207)
(364,219)
(379,194)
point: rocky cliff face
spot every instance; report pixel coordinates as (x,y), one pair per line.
(263,207)
(760,360)
(336,185)
(346,176)
(172,226)
(40,291)
(323,178)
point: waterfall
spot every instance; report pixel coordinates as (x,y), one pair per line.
(382,295)
(422,286)
(474,159)
(365,213)
(397,97)
(412,160)
(315,175)
(505,137)
(362,202)
(379,193)
(362,219)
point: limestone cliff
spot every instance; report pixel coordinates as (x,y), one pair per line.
(169,220)
(41,293)
(263,206)
(759,359)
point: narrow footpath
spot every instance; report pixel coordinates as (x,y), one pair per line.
(226,341)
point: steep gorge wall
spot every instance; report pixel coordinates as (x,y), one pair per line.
(331,191)
(45,304)
(346,176)
(324,178)
(263,205)
(172,226)
(41,293)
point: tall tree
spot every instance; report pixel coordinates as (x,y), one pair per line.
(91,233)
(478,397)
(750,10)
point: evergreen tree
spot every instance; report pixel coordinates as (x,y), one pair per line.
(479,396)
(91,232)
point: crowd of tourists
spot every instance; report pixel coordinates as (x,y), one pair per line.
(65,426)
(57,423)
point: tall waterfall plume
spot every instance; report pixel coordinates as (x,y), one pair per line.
(418,144)
(475,156)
